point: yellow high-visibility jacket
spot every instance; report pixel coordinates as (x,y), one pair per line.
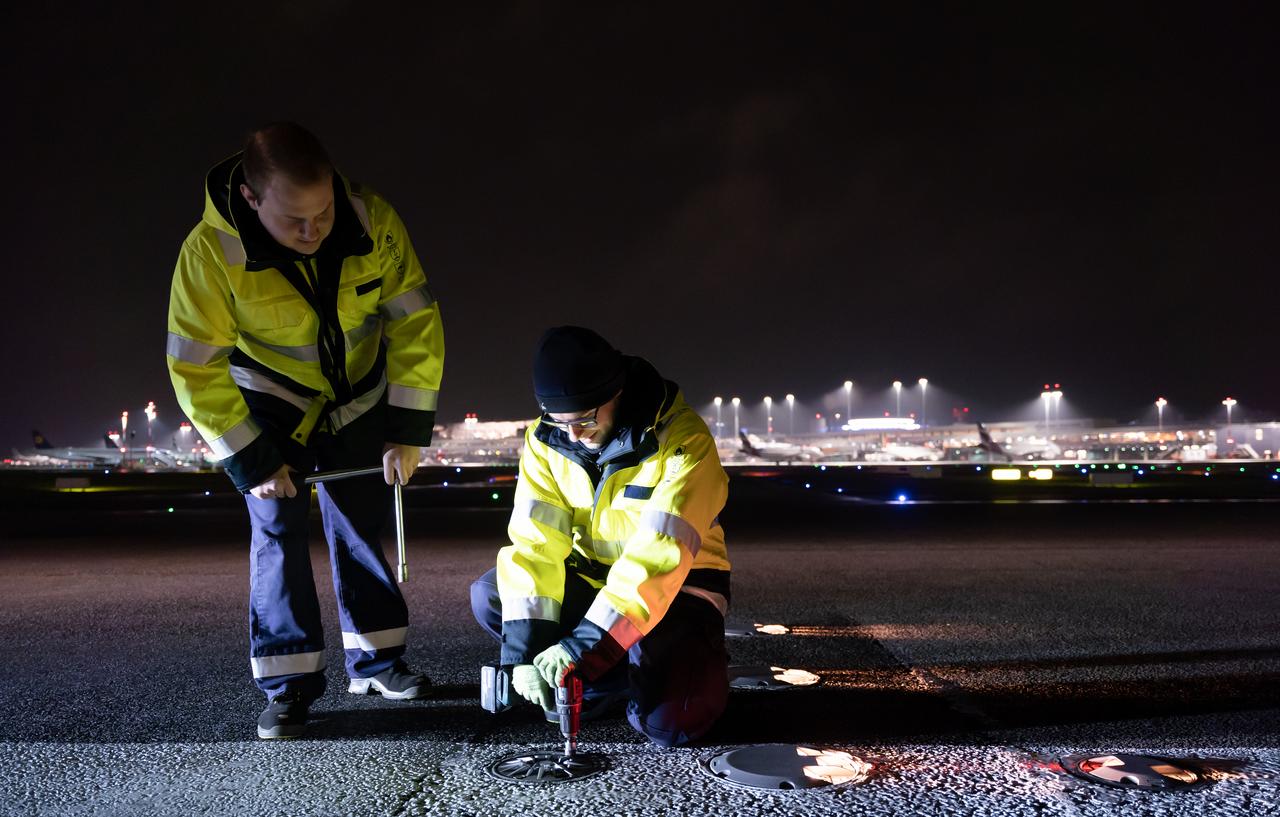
(639,522)
(265,345)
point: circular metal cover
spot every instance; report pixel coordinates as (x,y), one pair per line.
(546,767)
(786,767)
(1132,771)
(756,629)
(770,678)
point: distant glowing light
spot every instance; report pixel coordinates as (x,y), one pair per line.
(902,497)
(494,495)
(1040,473)
(1006,474)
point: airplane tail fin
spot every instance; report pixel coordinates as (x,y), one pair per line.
(107,441)
(42,443)
(747,447)
(989,445)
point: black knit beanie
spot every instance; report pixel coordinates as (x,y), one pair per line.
(574,369)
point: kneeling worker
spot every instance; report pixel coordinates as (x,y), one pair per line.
(616,546)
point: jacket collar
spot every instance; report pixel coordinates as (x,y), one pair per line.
(227,210)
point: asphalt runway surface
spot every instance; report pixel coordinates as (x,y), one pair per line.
(963,650)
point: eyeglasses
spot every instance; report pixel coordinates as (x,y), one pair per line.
(586,421)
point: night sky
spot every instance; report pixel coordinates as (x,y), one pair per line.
(759,198)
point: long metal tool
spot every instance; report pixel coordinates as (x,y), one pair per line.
(402,569)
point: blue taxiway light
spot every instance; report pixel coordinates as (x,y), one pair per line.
(902,497)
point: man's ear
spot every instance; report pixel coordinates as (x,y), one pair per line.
(249,196)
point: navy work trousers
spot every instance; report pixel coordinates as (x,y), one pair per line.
(285,637)
(677,674)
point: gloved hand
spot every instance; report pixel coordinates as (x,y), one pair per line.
(527,680)
(553,663)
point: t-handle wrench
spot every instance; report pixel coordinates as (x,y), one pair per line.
(402,569)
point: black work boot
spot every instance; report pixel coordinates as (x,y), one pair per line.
(396,683)
(284,717)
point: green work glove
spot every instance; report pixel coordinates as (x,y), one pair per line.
(553,663)
(527,680)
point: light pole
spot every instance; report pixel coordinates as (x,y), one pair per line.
(1160,404)
(924,401)
(737,427)
(768,413)
(897,396)
(791,406)
(1229,402)
(718,401)
(185,430)
(1057,404)
(150,411)
(848,400)
(1044,398)
(124,434)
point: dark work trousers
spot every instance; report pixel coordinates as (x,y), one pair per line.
(677,674)
(286,644)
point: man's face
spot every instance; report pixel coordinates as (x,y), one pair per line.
(597,436)
(299,217)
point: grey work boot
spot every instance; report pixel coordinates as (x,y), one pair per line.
(284,717)
(396,683)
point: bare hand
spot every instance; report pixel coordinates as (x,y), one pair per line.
(278,485)
(399,462)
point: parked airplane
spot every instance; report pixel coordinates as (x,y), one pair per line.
(902,452)
(45,451)
(1030,449)
(773,451)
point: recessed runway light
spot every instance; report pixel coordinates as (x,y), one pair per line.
(786,767)
(1132,771)
(770,678)
(543,768)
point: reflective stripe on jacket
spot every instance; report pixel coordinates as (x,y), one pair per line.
(647,530)
(242,339)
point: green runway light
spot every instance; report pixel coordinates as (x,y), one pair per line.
(171,510)
(494,495)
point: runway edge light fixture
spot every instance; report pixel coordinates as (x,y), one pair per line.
(780,766)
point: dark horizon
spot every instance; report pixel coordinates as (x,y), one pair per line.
(760,199)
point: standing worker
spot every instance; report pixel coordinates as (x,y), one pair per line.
(616,546)
(302,337)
